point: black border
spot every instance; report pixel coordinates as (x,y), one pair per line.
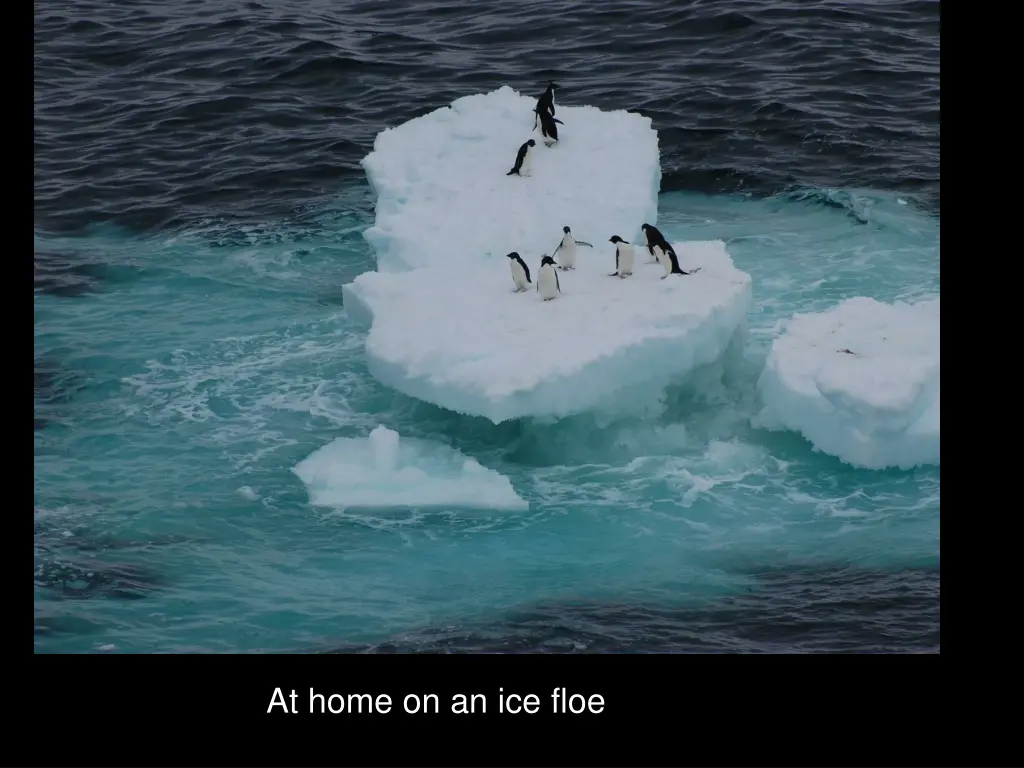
(661,710)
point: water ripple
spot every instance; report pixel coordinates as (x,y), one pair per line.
(153,116)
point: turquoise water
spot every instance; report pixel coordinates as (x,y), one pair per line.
(210,363)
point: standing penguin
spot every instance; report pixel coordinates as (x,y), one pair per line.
(653,237)
(524,159)
(568,249)
(624,257)
(545,103)
(547,279)
(520,272)
(549,128)
(668,259)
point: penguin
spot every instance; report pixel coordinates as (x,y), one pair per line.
(520,272)
(545,103)
(668,259)
(523,159)
(623,257)
(568,249)
(548,128)
(547,279)
(653,237)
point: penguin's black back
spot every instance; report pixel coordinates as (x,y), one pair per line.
(519,158)
(654,235)
(546,101)
(526,269)
(548,126)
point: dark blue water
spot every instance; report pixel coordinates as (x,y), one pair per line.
(199,203)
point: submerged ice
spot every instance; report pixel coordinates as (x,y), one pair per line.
(445,324)
(860,382)
(384,470)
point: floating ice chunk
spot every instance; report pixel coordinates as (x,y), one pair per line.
(464,340)
(860,382)
(443,196)
(248,493)
(382,471)
(444,324)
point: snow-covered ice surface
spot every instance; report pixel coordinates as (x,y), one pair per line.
(443,196)
(444,323)
(860,382)
(475,346)
(384,471)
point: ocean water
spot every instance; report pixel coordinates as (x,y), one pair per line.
(199,205)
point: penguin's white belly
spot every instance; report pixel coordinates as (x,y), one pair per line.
(519,276)
(626,259)
(527,161)
(567,253)
(547,283)
(663,258)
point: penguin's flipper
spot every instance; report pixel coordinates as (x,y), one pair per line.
(580,242)
(557,120)
(556,250)
(557,284)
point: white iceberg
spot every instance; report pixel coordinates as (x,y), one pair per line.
(444,324)
(383,471)
(860,382)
